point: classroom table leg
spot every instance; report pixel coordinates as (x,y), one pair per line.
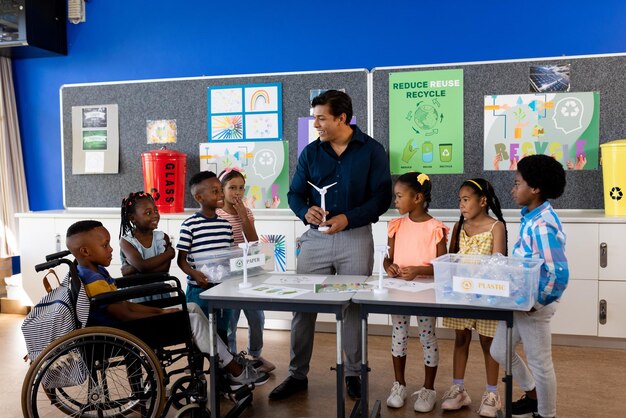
(215,412)
(361,407)
(339,369)
(508,378)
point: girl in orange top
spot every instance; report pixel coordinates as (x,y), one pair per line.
(414,240)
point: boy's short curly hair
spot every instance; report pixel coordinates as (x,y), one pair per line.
(82,226)
(198,178)
(544,173)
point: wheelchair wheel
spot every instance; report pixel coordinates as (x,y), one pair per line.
(94,372)
(183,391)
(193,411)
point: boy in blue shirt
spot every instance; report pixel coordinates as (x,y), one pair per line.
(89,242)
(538,178)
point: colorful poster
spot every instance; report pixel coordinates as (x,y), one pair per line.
(161,131)
(264,164)
(280,254)
(563,125)
(426,121)
(244,113)
(307,132)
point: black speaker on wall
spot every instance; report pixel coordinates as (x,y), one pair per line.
(33,28)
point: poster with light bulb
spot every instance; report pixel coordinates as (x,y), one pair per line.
(264,164)
(563,125)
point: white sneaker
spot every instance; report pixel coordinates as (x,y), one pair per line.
(426,399)
(397,396)
(455,398)
(490,405)
(248,376)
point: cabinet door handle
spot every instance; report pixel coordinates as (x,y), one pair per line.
(603,255)
(602,312)
(57,242)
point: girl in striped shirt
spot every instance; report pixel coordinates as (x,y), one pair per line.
(241,220)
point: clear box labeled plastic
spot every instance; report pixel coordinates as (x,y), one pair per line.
(220,265)
(493,281)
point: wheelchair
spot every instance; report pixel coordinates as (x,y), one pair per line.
(104,371)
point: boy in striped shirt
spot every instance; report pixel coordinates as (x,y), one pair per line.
(538,178)
(202,232)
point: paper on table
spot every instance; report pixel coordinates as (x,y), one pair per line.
(278,279)
(343,287)
(405,286)
(281,292)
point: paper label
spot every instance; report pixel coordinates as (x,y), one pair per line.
(256,260)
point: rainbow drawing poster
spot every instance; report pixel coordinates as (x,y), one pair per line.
(250,112)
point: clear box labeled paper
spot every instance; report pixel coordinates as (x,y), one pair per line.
(220,265)
(493,281)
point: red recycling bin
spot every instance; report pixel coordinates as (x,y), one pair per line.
(164,172)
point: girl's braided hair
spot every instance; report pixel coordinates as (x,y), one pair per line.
(128,208)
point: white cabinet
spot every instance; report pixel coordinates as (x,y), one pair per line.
(582,250)
(37,238)
(577,313)
(578,310)
(614,294)
(612,275)
(614,237)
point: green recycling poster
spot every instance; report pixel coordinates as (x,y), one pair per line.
(426,121)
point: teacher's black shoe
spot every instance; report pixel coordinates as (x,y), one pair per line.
(353,385)
(290,386)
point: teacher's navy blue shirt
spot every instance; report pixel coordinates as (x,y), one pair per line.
(363,189)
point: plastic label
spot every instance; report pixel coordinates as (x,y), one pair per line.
(481,286)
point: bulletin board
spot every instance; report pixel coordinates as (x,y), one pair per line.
(183,100)
(603,74)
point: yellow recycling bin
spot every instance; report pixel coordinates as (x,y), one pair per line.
(614,177)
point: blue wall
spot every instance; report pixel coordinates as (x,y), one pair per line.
(127,40)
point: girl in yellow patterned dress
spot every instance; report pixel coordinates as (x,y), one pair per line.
(478,233)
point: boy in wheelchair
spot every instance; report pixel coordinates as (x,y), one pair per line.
(89,243)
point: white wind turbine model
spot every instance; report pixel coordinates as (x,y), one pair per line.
(382,250)
(322,191)
(245,246)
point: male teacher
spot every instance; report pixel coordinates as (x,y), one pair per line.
(359,166)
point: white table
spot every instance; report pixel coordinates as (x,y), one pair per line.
(228,295)
(423,303)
